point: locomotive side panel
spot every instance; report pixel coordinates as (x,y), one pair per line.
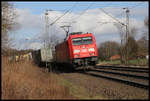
(62,53)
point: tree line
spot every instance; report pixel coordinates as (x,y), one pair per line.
(106,49)
(135,47)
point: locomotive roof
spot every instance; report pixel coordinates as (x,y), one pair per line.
(78,33)
(73,33)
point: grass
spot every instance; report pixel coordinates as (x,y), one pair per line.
(75,90)
(78,91)
(110,62)
(23,80)
(140,62)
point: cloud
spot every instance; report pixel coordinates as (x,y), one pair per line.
(28,20)
(138,12)
(35,46)
(91,21)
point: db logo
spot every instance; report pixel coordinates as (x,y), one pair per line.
(83,46)
(83,50)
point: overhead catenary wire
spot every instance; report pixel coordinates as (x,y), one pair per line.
(73,7)
(120,14)
(86,10)
(132,7)
(66,13)
(112,17)
(59,18)
(72,10)
(63,15)
(81,3)
(136,5)
(82,13)
(102,23)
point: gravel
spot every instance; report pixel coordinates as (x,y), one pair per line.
(125,72)
(106,88)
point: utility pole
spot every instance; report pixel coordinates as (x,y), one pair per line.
(127,35)
(66,30)
(127,31)
(46,34)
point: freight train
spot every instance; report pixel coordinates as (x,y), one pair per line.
(43,56)
(79,49)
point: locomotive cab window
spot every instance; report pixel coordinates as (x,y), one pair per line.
(77,41)
(82,41)
(87,40)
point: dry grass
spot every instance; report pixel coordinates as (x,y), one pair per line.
(23,80)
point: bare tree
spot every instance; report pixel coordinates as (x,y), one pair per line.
(146,22)
(143,42)
(108,49)
(133,47)
(123,41)
(145,33)
(143,45)
(133,32)
(8,23)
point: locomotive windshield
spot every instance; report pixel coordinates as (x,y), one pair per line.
(82,41)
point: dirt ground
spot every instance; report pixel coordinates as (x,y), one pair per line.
(106,88)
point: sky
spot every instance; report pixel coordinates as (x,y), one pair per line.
(87,17)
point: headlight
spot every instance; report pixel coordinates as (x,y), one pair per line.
(91,49)
(76,55)
(76,51)
(92,54)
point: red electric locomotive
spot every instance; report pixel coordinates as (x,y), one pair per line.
(78,50)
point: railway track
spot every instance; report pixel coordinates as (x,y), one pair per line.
(124,67)
(128,69)
(123,75)
(137,76)
(142,72)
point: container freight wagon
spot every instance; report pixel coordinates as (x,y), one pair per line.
(43,56)
(62,53)
(78,50)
